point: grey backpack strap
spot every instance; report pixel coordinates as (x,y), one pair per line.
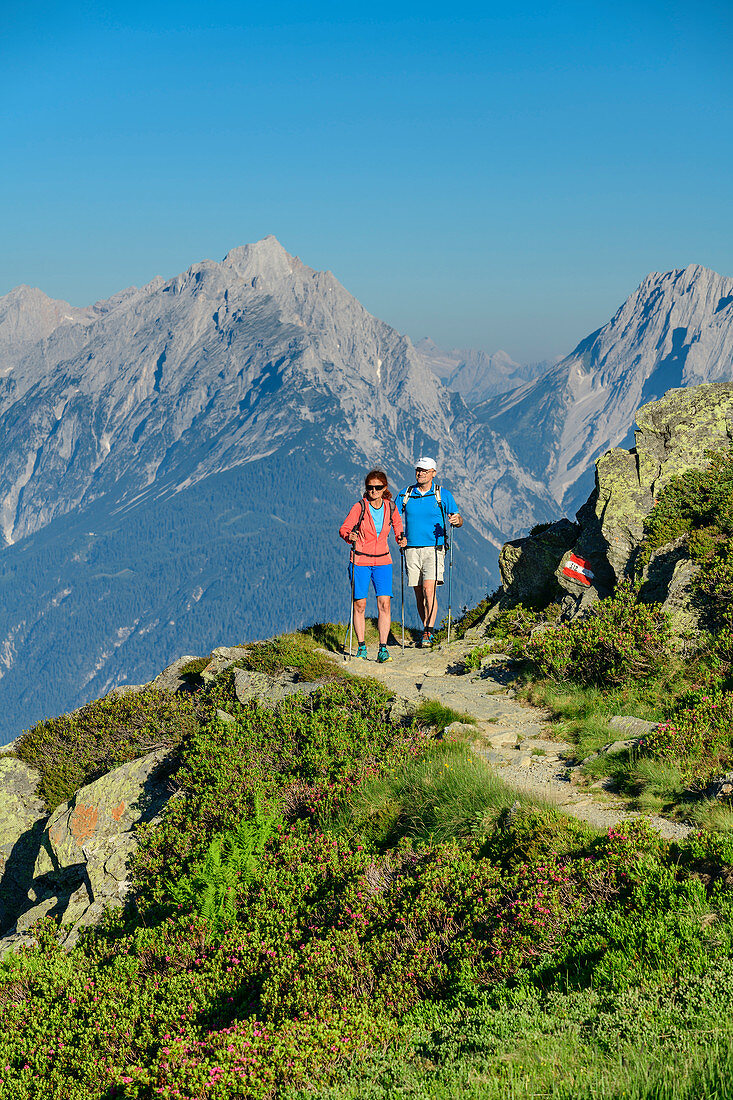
(406,497)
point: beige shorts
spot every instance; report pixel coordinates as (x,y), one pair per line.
(422,564)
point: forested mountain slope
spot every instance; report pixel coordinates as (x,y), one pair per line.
(179,457)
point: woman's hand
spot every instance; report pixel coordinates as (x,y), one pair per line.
(353,536)
(402,542)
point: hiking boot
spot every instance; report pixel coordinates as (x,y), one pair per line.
(361,652)
(383,655)
(427,639)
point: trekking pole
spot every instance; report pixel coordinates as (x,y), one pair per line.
(450,582)
(402,594)
(351,606)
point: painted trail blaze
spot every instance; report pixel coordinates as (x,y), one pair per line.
(579,569)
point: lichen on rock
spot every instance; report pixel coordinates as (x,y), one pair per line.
(83,849)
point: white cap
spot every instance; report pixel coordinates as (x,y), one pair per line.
(426,463)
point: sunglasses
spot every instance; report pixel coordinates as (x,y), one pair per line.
(375,488)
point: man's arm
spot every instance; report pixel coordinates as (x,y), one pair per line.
(454,517)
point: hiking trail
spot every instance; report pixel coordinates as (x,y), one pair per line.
(518,741)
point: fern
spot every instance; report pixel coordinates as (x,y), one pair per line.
(229,862)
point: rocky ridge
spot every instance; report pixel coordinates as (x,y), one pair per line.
(216,368)
(674,434)
(474,374)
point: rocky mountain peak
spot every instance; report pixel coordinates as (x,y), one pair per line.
(27,315)
(676,329)
(265,259)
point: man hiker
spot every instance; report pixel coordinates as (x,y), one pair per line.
(425,508)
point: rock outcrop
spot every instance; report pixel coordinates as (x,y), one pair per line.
(21,812)
(78,859)
(528,566)
(673,435)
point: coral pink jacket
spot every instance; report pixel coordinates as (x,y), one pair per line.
(371,548)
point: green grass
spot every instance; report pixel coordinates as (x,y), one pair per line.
(195,667)
(657,1044)
(583,711)
(659,783)
(448,793)
(335,636)
(431,712)
(582,714)
(713,815)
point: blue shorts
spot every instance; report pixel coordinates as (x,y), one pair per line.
(379,575)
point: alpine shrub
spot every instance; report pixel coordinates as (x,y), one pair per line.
(212,890)
(698,736)
(618,640)
(75,749)
(698,506)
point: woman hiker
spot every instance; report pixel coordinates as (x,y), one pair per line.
(366,528)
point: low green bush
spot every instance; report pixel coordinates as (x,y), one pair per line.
(211,888)
(518,621)
(698,506)
(618,640)
(292,651)
(473,660)
(694,502)
(383,918)
(697,736)
(76,748)
(531,956)
(468,618)
(303,759)
(195,667)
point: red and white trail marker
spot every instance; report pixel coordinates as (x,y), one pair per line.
(579,569)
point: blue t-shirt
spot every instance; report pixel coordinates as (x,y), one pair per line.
(422,519)
(378,517)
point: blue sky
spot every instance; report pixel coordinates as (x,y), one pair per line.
(500,176)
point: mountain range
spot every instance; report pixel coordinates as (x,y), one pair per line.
(675,330)
(176,460)
(475,374)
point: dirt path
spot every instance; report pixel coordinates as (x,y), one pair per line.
(518,741)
